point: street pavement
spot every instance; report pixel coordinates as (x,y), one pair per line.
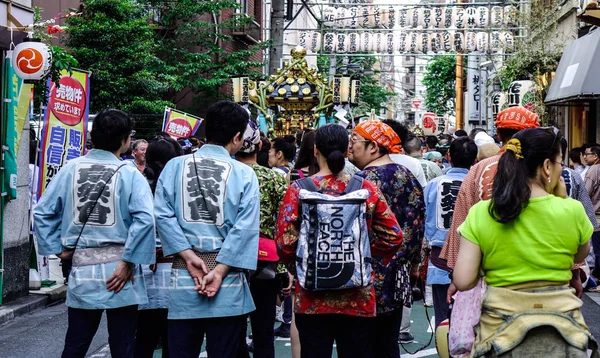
(42,333)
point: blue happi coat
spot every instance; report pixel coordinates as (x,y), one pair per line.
(122,215)
(440,198)
(209,202)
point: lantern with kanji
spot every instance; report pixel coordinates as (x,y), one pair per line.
(32,60)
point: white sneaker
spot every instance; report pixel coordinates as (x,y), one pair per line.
(278,313)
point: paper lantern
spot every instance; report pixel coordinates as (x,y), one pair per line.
(448,17)
(496,16)
(366,42)
(389,17)
(458,42)
(303,39)
(509,15)
(427,19)
(401,39)
(438,17)
(413,42)
(377,16)
(446,39)
(341,14)
(471,41)
(329,14)
(353,42)
(495,41)
(379,42)
(32,60)
(436,42)
(390,45)
(482,17)
(329,42)
(416,16)
(364,15)
(471,14)
(460,18)
(352,20)
(341,43)
(483,42)
(314,44)
(508,41)
(425,41)
(403,17)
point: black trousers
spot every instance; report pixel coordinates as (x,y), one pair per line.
(387,329)
(354,336)
(596,246)
(262,320)
(83,325)
(223,336)
(440,305)
(152,326)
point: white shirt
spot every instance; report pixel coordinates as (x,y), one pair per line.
(412,164)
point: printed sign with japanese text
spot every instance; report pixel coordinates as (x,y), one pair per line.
(180,124)
(65,124)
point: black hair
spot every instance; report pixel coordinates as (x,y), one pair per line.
(110,128)
(461,133)
(332,142)
(262,157)
(463,152)
(285,145)
(474,132)
(224,120)
(400,129)
(563,147)
(595,149)
(306,154)
(160,150)
(413,144)
(505,134)
(511,191)
(575,155)
(431,141)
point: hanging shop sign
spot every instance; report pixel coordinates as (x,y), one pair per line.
(18,97)
(65,124)
(179,124)
(475,87)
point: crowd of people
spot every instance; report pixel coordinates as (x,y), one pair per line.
(192,240)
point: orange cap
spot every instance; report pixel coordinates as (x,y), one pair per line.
(518,118)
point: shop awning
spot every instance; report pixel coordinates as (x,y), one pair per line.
(578,75)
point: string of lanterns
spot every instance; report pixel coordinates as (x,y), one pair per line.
(407,42)
(437,17)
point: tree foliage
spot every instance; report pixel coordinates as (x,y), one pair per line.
(61,59)
(528,64)
(190,37)
(439,81)
(113,40)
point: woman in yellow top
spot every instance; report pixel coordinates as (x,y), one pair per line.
(525,240)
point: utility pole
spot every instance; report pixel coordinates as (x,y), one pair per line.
(276,50)
(460,98)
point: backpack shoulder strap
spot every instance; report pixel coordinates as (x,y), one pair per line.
(307,184)
(355,183)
